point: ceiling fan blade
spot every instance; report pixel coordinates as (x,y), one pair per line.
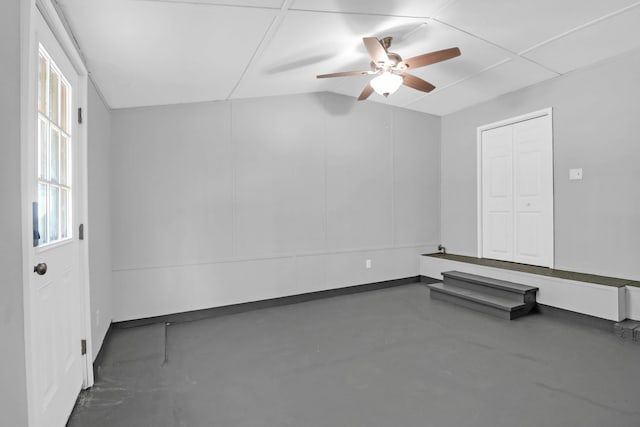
(368,90)
(429,58)
(344,74)
(375,49)
(416,83)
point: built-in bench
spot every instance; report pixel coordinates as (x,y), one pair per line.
(600,296)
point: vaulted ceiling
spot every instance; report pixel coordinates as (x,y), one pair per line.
(155,52)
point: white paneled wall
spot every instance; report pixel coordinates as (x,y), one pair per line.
(596,219)
(229,202)
(99,230)
(279,148)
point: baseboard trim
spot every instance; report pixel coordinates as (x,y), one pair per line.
(97,362)
(429,280)
(575,317)
(190,316)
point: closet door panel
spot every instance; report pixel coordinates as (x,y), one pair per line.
(497,190)
(533,192)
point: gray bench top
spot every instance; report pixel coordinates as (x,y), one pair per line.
(543,271)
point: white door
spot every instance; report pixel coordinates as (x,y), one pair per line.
(533,196)
(54,303)
(516,173)
(497,190)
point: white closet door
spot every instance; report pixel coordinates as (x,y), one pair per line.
(533,192)
(497,190)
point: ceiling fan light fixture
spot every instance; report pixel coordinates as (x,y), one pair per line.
(386,83)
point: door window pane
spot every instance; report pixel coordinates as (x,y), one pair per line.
(64,158)
(54,213)
(42,213)
(63,107)
(43,142)
(42,84)
(54,165)
(54,97)
(64,218)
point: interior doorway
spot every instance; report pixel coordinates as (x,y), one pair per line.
(515,189)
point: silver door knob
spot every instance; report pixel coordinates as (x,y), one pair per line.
(40,268)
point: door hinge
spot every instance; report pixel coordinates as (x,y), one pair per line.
(81,232)
(80,115)
(83,347)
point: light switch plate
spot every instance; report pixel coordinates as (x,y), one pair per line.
(575,174)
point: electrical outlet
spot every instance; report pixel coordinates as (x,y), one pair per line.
(367,263)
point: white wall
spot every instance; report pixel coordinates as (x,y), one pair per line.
(595,119)
(228,202)
(99,229)
(13,398)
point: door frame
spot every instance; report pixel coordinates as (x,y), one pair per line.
(506,122)
(28,122)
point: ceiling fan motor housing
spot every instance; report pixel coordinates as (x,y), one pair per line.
(391,63)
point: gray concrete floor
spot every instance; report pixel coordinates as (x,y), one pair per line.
(385,358)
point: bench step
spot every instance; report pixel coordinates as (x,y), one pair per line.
(497,297)
(502,285)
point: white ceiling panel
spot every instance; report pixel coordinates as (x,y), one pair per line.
(411,8)
(507,77)
(604,39)
(153,53)
(522,24)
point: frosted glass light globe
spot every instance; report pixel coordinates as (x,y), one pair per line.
(386,83)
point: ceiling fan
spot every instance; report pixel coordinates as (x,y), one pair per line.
(391,69)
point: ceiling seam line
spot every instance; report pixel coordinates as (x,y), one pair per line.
(266,38)
(293,9)
(580,27)
(439,89)
(446,5)
(255,52)
(475,36)
(513,53)
(203,3)
(540,65)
